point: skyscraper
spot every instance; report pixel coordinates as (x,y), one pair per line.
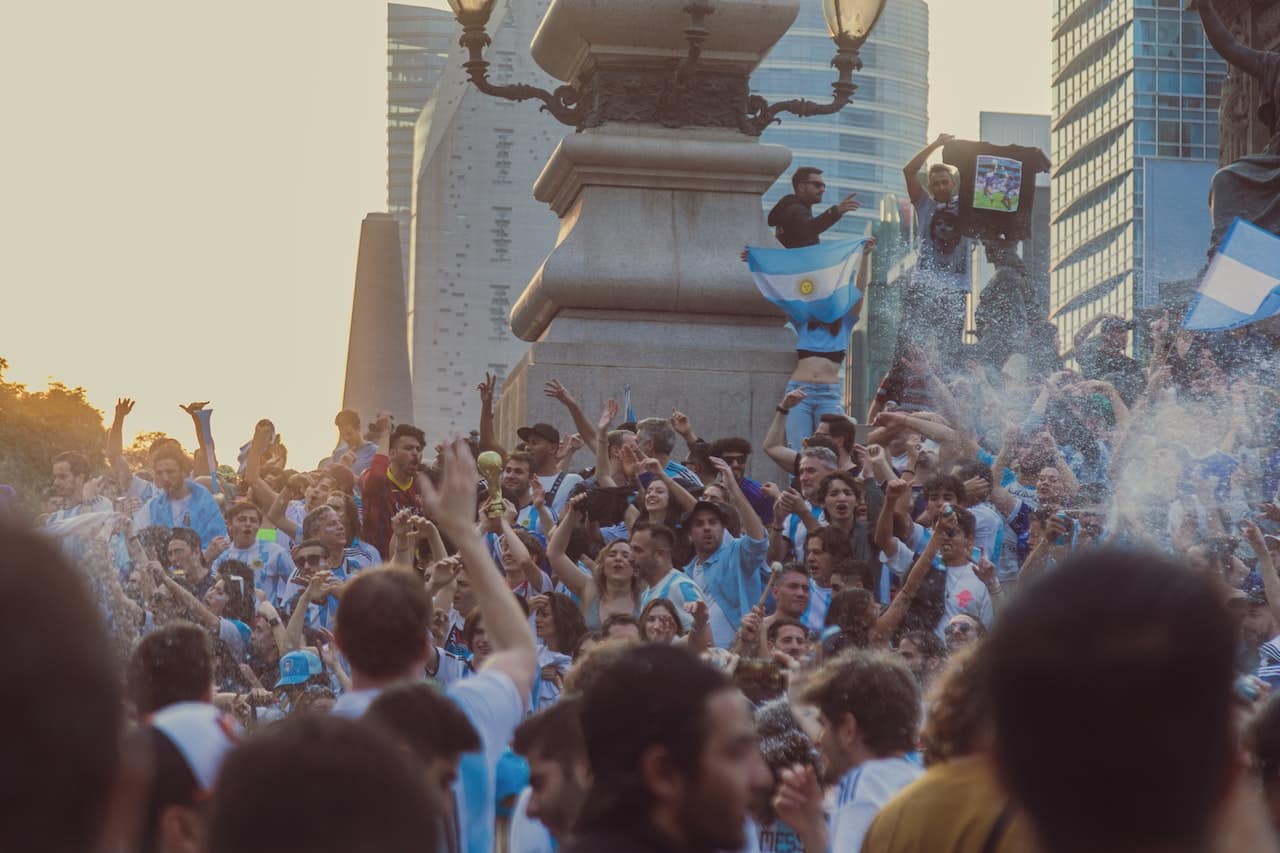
(477,233)
(1135,86)
(419,41)
(863,147)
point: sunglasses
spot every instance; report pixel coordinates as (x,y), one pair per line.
(309,560)
(819,184)
(958,628)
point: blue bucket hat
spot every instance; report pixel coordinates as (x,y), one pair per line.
(297,667)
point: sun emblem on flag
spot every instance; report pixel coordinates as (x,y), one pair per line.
(806,287)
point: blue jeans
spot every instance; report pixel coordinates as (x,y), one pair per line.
(821,398)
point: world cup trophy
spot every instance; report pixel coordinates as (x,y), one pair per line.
(490,465)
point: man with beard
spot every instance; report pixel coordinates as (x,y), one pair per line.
(674,757)
(868,708)
(729,570)
(559,774)
(934,302)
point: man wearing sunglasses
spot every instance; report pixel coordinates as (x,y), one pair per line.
(792,217)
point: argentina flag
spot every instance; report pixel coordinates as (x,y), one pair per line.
(813,283)
(1242,284)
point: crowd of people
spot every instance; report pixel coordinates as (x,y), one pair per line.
(1013,606)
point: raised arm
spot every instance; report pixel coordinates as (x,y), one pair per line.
(604,476)
(1000,496)
(488,437)
(296,486)
(559,393)
(263,494)
(115,444)
(565,570)
(752,527)
(680,496)
(885,627)
(684,427)
(205,452)
(883,536)
(451,507)
(911,171)
(188,603)
(1241,56)
(775,441)
(1266,567)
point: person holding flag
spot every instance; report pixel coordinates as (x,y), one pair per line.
(820,289)
(1242,284)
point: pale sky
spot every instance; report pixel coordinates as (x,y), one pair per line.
(181,175)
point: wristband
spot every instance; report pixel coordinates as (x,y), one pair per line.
(784,411)
(911,471)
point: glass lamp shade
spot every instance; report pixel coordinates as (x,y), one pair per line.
(850,22)
(472,10)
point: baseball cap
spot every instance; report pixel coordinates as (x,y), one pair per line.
(546,431)
(297,666)
(706,505)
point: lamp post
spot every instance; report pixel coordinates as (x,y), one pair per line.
(578,103)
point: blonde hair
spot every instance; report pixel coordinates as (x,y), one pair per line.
(597,573)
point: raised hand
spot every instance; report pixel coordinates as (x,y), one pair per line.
(316,585)
(722,468)
(771,491)
(1253,536)
(451,505)
(217,545)
(896,489)
(849,203)
(651,466)
(539,493)
(192,408)
(793,399)
(123,407)
(569,445)
(402,523)
(556,391)
(630,461)
(799,800)
(382,426)
(890,420)
(680,422)
(486,388)
(986,571)
(607,415)
(791,502)
(698,610)
(944,138)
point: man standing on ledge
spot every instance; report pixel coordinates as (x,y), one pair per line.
(792,217)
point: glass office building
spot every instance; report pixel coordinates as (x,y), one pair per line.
(862,148)
(418,44)
(1133,81)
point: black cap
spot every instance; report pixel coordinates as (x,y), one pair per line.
(546,431)
(712,506)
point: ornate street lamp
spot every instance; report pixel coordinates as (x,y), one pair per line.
(850,22)
(564,103)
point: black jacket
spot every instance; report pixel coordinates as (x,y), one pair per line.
(794,224)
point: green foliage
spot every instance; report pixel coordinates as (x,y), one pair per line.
(35,426)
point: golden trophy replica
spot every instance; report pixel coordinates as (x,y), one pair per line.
(490,465)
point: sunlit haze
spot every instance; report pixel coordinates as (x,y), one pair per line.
(189,179)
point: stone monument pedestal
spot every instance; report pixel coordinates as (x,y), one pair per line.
(726,372)
(657,194)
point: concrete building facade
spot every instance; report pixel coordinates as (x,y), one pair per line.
(477,234)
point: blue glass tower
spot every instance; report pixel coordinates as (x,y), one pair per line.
(862,148)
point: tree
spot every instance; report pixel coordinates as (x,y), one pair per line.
(138,454)
(35,426)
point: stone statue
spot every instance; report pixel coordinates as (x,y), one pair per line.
(1249,188)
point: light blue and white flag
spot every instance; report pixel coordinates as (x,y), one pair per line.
(1242,284)
(813,283)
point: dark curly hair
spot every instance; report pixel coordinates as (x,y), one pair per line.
(878,690)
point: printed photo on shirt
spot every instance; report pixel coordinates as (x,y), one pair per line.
(997,184)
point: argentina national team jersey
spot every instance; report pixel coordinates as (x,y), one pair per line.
(862,792)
